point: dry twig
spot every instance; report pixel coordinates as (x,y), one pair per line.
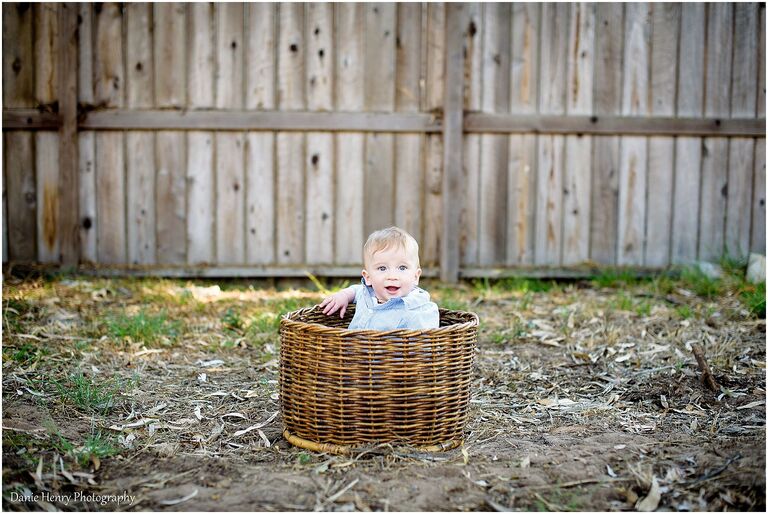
(706,375)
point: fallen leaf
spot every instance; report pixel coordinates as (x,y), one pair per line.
(179,500)
(651,501)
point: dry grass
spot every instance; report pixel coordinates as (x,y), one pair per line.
(586,397)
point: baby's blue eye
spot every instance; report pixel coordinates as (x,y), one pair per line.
(382,268)
(403,267)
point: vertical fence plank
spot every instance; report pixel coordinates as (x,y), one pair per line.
(408,185)
(140,144)
(68,188)
(5,215)
(549,175)
(634,150)
(290,146)
(47,182)
(609,44)
(110,199)
(230,151)
(86,139)
(171,197)
(18,59)
(109,88)
(452,137)
(473,72)
(259,171)
(22,201)
(741,149)
(661,150)
(492,203)
(379,80)
(714,173)
(690,97)
(757,240)
(47,143)
(170,92)
(170,54)
(349,146)
(578,149)
(522,147)
(433,168)
(200,230)
(19,219)
(319,161)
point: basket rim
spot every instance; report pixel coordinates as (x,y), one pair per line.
(288,321)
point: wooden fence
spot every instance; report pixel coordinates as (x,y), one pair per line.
(270,139)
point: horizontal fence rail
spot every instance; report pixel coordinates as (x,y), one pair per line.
(474,122)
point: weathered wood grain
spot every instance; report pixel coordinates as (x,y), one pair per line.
(578,149)
(633,172)
(434,29)
(19,167)
(452,138)
(18,91)
(522,148)
(379,91)
(201,22)
(757,239)
(140,145)
(230,146)
(110,199)
(201,218)
(86,140)
(260,147)
(68,139)
(473,76)
(171,194)
(18,59)
(260,56)
(201,182)
(492,200)
(687,185)
(714,171)
(349,146)
(320,158)
(408,147)
(549,173)
(743,104)
(291,149)
(260,198)
(170,53)
(665,21)
(108,71)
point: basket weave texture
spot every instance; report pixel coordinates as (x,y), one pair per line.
(342,388)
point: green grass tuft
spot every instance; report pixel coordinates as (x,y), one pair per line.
(143,327)
(753,297)
(86,394)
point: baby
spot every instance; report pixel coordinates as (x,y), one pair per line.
(388,297)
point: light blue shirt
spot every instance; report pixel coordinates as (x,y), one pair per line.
(413,311)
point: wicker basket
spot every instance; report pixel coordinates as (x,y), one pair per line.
(342,388)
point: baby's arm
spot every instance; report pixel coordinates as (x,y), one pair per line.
(337,301)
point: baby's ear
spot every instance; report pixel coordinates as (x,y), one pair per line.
(418,275)
(367,278)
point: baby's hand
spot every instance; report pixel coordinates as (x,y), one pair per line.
(335,302)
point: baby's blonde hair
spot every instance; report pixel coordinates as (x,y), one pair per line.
(388,237)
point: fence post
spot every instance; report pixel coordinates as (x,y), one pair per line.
(453,121)
(68,228)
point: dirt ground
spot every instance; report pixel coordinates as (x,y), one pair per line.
(150,394)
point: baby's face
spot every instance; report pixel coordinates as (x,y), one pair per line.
(392,273)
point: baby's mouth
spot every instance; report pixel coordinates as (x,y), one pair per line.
(392,289)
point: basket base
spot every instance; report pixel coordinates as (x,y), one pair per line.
(344,450)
